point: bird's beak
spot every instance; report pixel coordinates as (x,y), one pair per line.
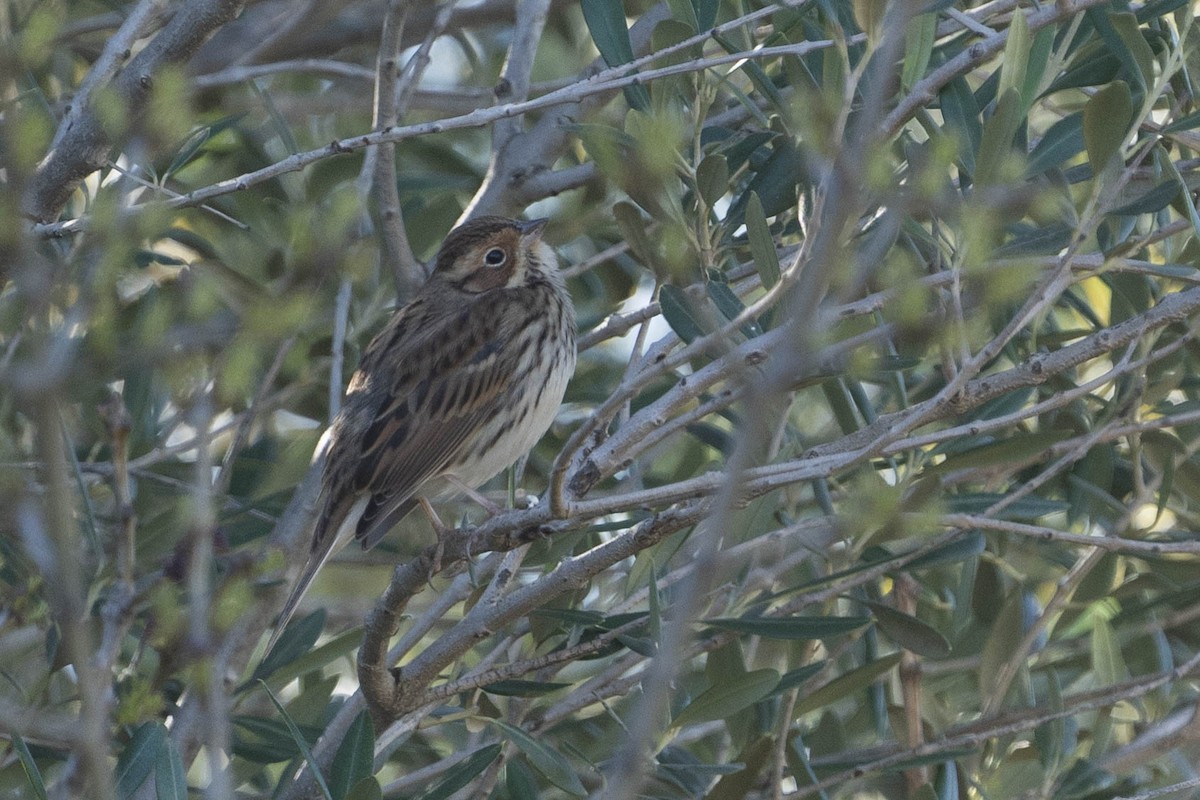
(532,229)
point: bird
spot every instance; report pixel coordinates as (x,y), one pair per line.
(460,383)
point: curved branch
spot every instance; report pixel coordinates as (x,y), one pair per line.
(81,144)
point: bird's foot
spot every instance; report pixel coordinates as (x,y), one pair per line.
(441,531)
(491,508)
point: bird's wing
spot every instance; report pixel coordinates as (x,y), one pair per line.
(419,424)
(421,433)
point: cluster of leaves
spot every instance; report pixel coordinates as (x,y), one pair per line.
(928,252)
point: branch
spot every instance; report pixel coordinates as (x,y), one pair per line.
(48,531)
(926,90)
(520,156)
(393,694)
(1035,371)
(607,81)
(973,735)
(356,24)
(379,168)
(116,50)
(81,144)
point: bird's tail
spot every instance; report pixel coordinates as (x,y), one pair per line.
(326,546)
(315,561)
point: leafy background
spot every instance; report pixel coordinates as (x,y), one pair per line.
(877,477)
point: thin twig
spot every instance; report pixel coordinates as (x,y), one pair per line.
(380,168)
(604,82)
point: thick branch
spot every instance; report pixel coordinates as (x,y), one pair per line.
(390,695)
(82,145)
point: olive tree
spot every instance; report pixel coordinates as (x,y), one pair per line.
(876,473)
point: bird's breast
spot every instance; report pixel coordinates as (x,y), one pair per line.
(528,409)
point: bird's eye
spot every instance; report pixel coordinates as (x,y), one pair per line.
(495,257)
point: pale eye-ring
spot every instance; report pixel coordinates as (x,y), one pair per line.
(495,257)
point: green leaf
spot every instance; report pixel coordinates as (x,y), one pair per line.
(1092,65)
(909,632)
(138,757)
(1156,199)
(1027,509)
(1053,739)
(267,741)
(706,13)
(667,34)
(679,313)
(298,738)
(796,677)
(725,663)
(170,777)
(1106,123)
(1032,241)
(738,148)
(463,773)
(519,779)
(968,546)
(730,306)
(355,759)
(1090,484)
(611,148)
(190,147)
(606,23)
(1039,57)
(309,707)
(869,16)
(712,178)
(960,112)
(553,766)
(32,773)
(1016,57)
(572,616)
(776,182)
(1107,660)
(841,403)
(1086,779)
(762,244)
(763,84)
(724,298)
(1136,49)
(653,606)
(1063,141)
(791,628)
(996,144)
(1016,449)
(939,757)
(1002,640)
(1168,164)
(639,644)
(853,681)
(366,789)
(740,785)
(683,11)
(296,640)
(515,688)
(1185,123)
(328,652)
(682,769)
(918,46)
(278,121)
(723,700)
(1160,449)
(633,229)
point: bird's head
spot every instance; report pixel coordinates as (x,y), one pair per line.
(489,253)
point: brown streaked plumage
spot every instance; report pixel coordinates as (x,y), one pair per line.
(461,382)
